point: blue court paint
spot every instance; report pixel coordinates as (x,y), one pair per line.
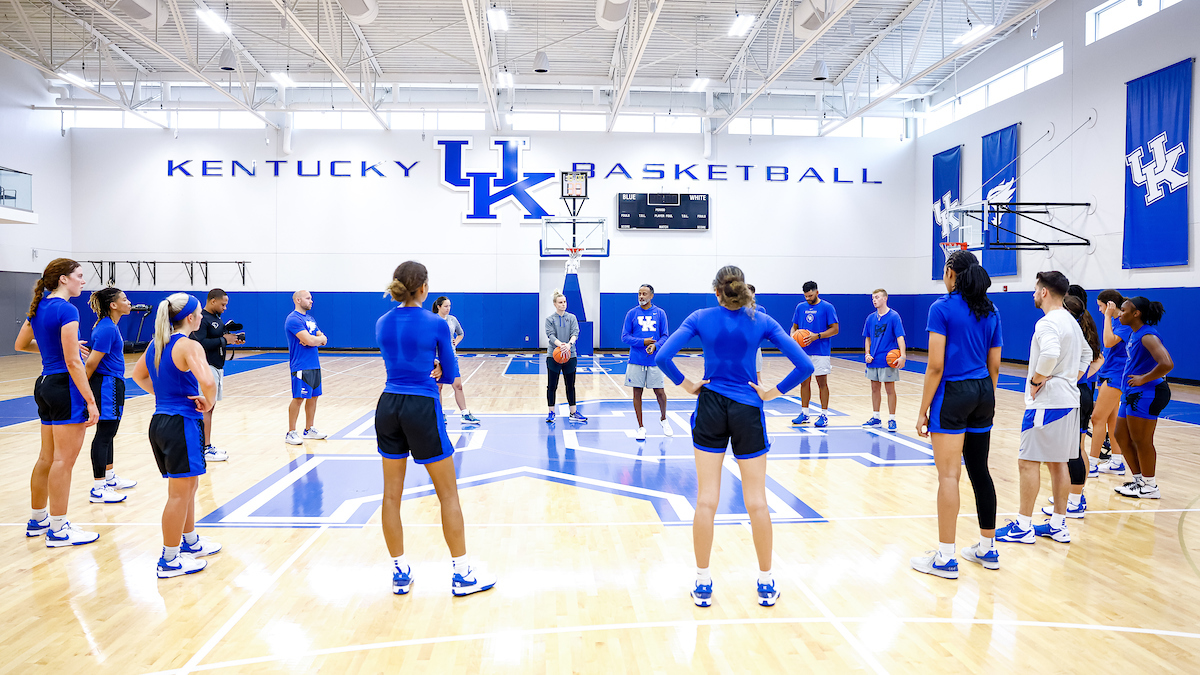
(346,490)
(1009,382)
(584,365)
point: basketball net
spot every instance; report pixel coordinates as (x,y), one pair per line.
(573,257)
(949,247)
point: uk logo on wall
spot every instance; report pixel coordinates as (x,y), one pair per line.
(490,190)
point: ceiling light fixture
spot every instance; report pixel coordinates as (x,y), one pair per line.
(541,63)
(505,79)
(699,84)
(741,24)
(283,79)
(228,59)
(213,21)
(497,19)
(75,79)
(820,71)
(972,34)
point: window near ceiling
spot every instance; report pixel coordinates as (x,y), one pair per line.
(317,120)
(198,119)
(635,123)
(533,121)
(234,119)
(795,127)
(1021,77)
(883,127)
(851,129)
(461,121)
(774,126)
(677,124)
(356,120)
(583,122)
(414,120)
(1115,15)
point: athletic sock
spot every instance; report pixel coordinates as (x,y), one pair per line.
(986,544)
(40,515)
(170,553)
(765,577)
(1117,457)
(945,551)
(875,414)
(57,522)
(1149,480)
(1093,461)
(1137,478)
(190,538)
(400,563)
(464,412)
(1058,521)
(891,417)
(110,474)
(1024,522)
(703,576)
(1073,500)
(99,484)
(460,565)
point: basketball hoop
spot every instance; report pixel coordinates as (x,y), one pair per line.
(573,257)
(949,247)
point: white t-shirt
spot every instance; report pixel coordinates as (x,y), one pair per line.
(1057,346)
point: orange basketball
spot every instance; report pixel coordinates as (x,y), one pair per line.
(893,357)
(802,337)
(562,353)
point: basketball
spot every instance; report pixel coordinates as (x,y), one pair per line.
(562,353)
(893,357)
(802,337)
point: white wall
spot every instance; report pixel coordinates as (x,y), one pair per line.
(31,142)
(1087,168)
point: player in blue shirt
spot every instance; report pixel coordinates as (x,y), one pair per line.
(1144,394)
(958,402)
(64,400)
(820,319)
(419,355)
(883,331)
(1107,454)
(645,326)
(175,371)
(729,408)
(105,369)
(303,338)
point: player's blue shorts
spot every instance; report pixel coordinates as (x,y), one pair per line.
(963,406)
(306,383)
(109,392)
(58,400)
(178,445)
(1146,402)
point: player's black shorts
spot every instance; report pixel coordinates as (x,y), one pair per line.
(963,406)
(109,392)
(58,400)
(411,424)
(719,419)
(1087,403)
(178,445)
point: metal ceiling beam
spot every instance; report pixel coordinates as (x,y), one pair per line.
(241,48)
(750,38)
(912,59)
(329,62)
(24,18)
(97,34)
(50,73)
(482,58)
(642,42)
(368,53)
(137,35)
(862,56)
(1019,18)
(783,67)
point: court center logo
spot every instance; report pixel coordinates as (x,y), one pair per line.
(1164,168)
(490,190)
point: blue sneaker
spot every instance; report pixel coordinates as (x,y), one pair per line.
(577,417)
(929,565)
(402,580)
(822,421)
(203,546)
(1072,511)
(37,528)
(470,419)
(1114,467)
(892,426)
(1014,534)
(702,594)
(69,535)
(989,559)
(873,422)
(802,419)
(178,566)
(550,418)
(1059,534)
(767,595)
(471,582)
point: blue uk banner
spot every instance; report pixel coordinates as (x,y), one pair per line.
(1000,150)
(1158,108)
(947,172)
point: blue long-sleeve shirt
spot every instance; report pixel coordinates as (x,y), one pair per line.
(639,325)
(409,339)
(730,338)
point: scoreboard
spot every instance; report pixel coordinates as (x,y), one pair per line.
(661,211)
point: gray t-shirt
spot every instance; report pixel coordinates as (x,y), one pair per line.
(455,327)
(561,329)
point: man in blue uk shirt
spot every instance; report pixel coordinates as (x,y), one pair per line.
(820,319)
(884,332)
(645,326)
(304,338)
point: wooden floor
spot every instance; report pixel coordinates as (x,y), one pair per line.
(591,580)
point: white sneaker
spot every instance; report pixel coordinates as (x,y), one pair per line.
(989,559)
(314,435)
(473,581)
(293,438)
(69,535)
(105,496)
(667,430)
(181,565)
(118,483)
(211,454)
(640,435)
(203,546)
(1148,492)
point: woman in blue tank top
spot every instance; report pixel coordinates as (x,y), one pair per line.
(1106,450)
(176,373)
(1144,394)
(419,355)
(105,368)
(64,400)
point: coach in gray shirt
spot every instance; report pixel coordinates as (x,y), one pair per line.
(562,328)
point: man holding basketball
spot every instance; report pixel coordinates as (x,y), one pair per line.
(884,332)
(819,318)
(645,326)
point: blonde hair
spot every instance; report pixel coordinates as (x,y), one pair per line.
(880,290)
(730,284)
(557,294)
(101,302)
(407,280)
(163,326)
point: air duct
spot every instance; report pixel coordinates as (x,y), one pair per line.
(611,14)
(361,12)
(149,13)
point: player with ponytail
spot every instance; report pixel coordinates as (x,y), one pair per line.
(106,374)
(1144,394)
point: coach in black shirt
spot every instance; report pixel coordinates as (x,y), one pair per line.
(213,336)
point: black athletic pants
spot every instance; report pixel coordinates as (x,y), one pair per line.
(102,447)
(553,368)
(975,456)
